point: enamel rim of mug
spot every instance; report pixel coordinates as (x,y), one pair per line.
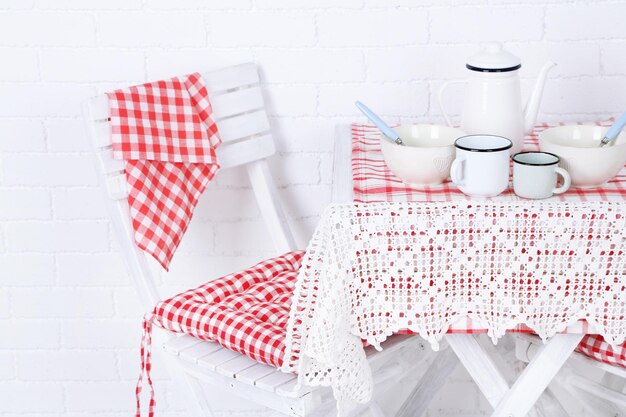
(545,164)
(465,148)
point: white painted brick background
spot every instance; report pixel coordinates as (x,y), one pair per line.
(69,318)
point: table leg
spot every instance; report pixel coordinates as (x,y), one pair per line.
(549,406)
(342,168)
(540,371)
(480,366)
(429,384)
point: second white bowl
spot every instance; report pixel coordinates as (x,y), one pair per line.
(577,146)
(426,156)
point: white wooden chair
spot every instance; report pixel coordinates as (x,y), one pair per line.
(243,124)
(595,387)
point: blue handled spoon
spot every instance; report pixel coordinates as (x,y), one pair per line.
(614,130)
(384,127)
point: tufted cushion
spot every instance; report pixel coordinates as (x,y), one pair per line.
(245,312)
(595,347)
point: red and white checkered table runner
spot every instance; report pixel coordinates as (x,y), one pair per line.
(165,133)
(373,182)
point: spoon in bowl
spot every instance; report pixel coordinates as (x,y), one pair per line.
(384,127)
(614,130)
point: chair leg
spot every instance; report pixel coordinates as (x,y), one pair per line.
(613,382)
(583,400)
(617,384)
(612,397)
(190,388)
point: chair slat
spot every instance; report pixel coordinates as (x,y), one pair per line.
(102,134)
(216,358)
(231,368)
(288,389)
(236,102)
(244,125)
(254,373)
(116,187)
(229,78)
(180,343)
(240,153)
(108,164)
(98,108)
(273,381)
(195,352)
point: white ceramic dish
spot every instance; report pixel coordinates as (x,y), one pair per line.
(426,156)
(577,146)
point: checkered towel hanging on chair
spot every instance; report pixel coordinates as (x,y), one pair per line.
(165,132)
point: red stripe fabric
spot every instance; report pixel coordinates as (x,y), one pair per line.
(373,182)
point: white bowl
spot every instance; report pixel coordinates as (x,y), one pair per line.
(577,146)
(426,156)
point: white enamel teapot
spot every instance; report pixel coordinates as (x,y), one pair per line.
(493,101)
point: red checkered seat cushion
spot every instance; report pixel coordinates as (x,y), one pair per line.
(245,312)
(595,347)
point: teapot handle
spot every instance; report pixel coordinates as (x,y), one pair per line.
(440,98)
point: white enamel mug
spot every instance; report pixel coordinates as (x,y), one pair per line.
(535,175)
(481,167)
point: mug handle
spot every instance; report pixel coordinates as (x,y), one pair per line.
(456,170)
(567,181)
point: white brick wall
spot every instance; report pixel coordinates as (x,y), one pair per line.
(69,317)
(367,28)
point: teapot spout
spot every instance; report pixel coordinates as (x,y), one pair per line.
(532,106)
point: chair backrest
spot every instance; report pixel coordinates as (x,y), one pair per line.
(239,111)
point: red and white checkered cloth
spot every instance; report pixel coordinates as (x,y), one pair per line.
(595,347)
(165,133)
(374,182)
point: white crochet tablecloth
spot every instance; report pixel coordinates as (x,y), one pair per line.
(374,269)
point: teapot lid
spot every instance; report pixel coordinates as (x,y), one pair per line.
(493,59)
